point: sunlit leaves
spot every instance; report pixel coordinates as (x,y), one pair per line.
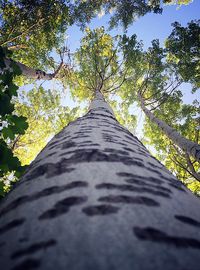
(97,64)
(46,117)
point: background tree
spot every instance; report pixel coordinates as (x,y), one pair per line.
(185,119)
(158,82)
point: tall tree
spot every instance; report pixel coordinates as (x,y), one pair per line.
(187,146)
(157,84)
(185,119)
(96,194)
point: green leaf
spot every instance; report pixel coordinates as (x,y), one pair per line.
(7,160)
(8,133)
(5,106)
(20,124)
(12,90)
(2,193)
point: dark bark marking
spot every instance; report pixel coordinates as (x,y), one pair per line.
(53,143)
(141,183)
(120,143)
(130,143)
(129,150)
(188,220)
(81,133)
(124,174)
(148,179)
(104,209)
(68,144)
(89,127)
(49,155)
(43,193)
(90,116)
(23,239)
(64,145)
(100,109)
(62,207)
(11,225)
(107,131)
(132,178)
(154,165)
(50,169)
(129,200)
(96,155)
(123,187)
(88,145)
(27,264)
(33,248)
(78,137)
(157,172)
(157,236)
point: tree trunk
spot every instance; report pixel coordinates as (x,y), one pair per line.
(95,199)
(31,72)
(193,149)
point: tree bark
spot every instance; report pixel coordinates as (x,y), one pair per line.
(95,199)
(193,149)
(31,72)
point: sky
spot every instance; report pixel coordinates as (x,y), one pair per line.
(149,27)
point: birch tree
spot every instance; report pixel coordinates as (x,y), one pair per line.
(185,119)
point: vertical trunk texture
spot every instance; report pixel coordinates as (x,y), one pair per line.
(193,149)
(95,199)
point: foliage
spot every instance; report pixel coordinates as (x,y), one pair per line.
(11,124)
(32,29)
(183,53)
(97,64)
(177,2)
(122,11)
(46,117)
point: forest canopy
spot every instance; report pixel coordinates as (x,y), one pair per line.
(47,80)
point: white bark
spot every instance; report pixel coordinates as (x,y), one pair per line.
(193,149)
(31,72)
(95,199)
